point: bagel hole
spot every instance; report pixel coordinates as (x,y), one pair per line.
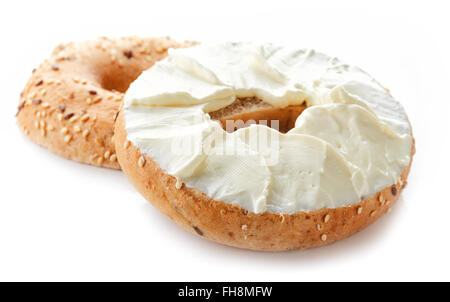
(251,110)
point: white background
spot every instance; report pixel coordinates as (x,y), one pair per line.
(60,220)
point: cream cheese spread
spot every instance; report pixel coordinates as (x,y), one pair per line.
(352,140)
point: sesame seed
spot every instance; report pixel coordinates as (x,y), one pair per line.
(323,237)
(107,154)
(42,124)
(400,182)
(83,82)
(113,139)
(77,129)
(84,118)
(58,82)
(373,213)
(85,133)
(43,113)
(99,141)
(244,227)
(326,218)
(50,82)
(36,124)
(88,101)
(319,227)
(60,116)
(39,83)
(381,199)
(37,101)
(64,130)
(68,138)
(38,114)
(44,92)
(54,67)
(45,105)
(75,80)
(97,100)
(141,161)
(50,128)
(43,132)
(109,97)
(178,183)
(359,210)
(92,92)
(100,160)
(113,157)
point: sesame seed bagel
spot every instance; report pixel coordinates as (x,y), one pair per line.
(235,226)
(69,104)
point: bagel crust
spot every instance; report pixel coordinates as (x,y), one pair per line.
(70,103)
(234,226)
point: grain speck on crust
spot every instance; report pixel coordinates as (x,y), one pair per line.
(141,161)
(381,199)
(394,190)
(326,218)
(69,116)
(21,106)
(198,231)
(62,108)
(85,133)
(37,101)
(99,142)
(84,118)
(323,237)
(359,210)
(68,138)
(128,54)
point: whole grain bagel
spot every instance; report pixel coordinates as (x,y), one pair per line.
(344,145)
(233,225)
(70,103)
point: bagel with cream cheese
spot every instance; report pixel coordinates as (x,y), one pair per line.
(264,147)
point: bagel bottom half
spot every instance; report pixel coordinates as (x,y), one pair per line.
(233,225)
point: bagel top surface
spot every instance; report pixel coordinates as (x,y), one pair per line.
(352,140)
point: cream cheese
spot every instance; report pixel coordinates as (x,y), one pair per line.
(352,140)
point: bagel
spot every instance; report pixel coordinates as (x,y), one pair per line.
(69,104)
(344,145)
